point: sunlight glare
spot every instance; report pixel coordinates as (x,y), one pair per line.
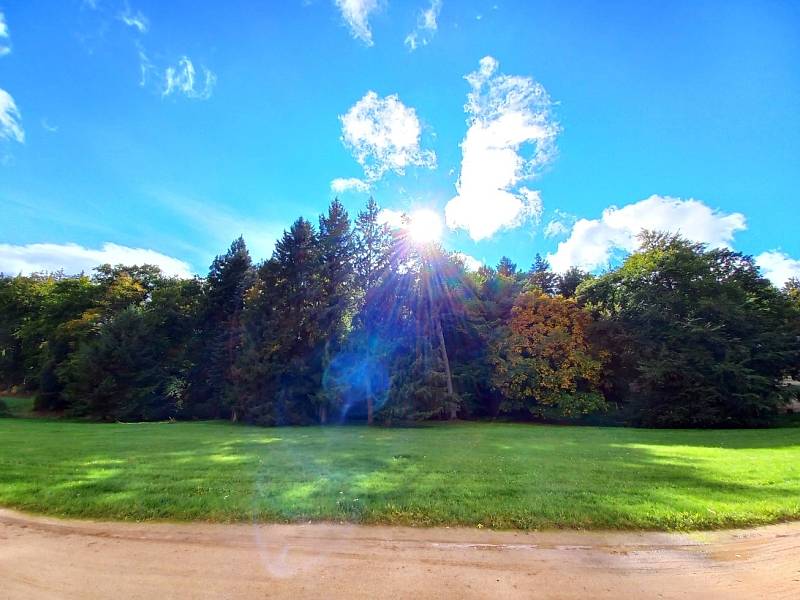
(424,226)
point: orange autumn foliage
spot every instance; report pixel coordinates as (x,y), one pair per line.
(546,363)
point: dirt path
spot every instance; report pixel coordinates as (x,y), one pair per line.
(49,558)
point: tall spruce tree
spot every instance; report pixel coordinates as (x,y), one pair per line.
(229,277)
(541,277)
(337,288)
(374,267)
(506,267)
(373,246)
(279,371)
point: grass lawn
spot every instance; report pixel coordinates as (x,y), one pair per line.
(491,475)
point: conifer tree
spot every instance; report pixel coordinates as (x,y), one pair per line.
(373,241)
(541,277)
(229,277)
(279,372)
(506,267)
(337,283)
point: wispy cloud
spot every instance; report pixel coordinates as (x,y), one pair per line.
(594,243)
(383,135)
(356,14)
(10,119)
(778,266)
(183,79)
(560,224)
(511,135)
(392,218)
(73,258)
(137,20)
(179,79)
(5,37)
(426,26)
(47,126)
(470,262)
(218,224)
(555,228)
(342,184)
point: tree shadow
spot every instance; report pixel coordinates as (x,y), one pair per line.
(503,476)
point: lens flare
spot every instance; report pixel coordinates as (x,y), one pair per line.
(424,226)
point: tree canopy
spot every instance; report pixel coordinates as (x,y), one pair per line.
(357,321)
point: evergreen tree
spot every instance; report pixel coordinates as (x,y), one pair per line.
(374,264)
(337,287)
(216,346)
(541,277)
(373,245)
(506,268)
(279,371)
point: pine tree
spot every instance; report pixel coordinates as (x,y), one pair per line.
(506,267)
(229,277)
(541,277)
(374,243)
(337,281)
(279,371)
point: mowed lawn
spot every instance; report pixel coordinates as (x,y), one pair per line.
(477,474)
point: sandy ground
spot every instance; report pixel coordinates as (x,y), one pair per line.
(49,558)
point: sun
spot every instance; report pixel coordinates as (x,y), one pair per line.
(424,226)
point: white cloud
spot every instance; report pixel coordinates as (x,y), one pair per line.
(392,218)
(182,79)
(384,135)
(505,114)
(356,14)
(74,259)
(10,120)
(341,184)
(555,229)
(559,225)
(426,26)
(470,262)
(778,266)
(593,243)
(136,20)
(5,38)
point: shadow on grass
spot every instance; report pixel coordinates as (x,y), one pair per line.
(496,475)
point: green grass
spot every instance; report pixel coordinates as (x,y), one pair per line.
(18,406)
(492,475)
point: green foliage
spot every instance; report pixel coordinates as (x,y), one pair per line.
(541,277)
(710,340)
(279,370)
(352,321)
(569,281)
(216,347)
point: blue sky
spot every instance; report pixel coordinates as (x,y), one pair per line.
(151,130)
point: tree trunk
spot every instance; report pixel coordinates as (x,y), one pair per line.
(370,410)
(446,360)
(323,414)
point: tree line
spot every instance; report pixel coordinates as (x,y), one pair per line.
(354,321)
